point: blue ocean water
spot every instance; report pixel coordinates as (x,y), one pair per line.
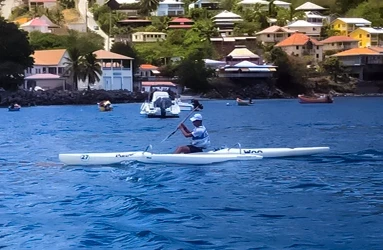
(329,201)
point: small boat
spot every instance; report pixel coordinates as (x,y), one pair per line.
(160,105)
(184,106)
(14,107)
(315,99)
(104,106)
(241,102)
(210,157)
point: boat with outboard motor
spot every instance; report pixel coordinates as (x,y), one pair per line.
(160,105)
(215,156)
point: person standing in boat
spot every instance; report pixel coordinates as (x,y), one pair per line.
(199,135)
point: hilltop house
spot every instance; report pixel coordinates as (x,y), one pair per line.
(46,4)
(148,72)
(344,26)
(128,7)
(300,45)
(368,36)
(309,29)
(274,34)
(225,22)
(250,4)
(170,8)
(309,6)
(335,44)
(206,4)
(180,23)
(364,63)
(42,24)
(148,37)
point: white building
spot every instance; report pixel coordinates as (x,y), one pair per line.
(46,4)
(309,29)
(170,8)
(117,72)
(36,24)
(309,6)
(225,22)
(148,37)
(264,4)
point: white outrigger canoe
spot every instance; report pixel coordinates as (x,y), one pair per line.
(210,157)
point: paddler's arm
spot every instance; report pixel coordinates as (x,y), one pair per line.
(185,131)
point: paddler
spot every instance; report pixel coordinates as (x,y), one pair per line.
(200,137)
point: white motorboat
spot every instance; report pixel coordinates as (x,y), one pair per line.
(160,105)
(217,156)
(184,106)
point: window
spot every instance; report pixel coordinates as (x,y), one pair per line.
(338,25)
(368,35)
(314,29)
(333,44)
(268,35)
(61,70)
(332,26)
(317,55)
(297,47)
(317,47)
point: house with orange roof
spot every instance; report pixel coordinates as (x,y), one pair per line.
(148,71)
(46,4)
(335,44)
(48,70)
(364,63)
(181,23)
(274,34)
(300,44)
(117,72)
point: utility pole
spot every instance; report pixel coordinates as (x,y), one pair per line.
(110,28)
(86,15)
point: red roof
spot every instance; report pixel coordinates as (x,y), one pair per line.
(297,39)
(336,39)
(181,20)
(357,52)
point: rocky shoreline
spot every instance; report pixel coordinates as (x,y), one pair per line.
(60,97)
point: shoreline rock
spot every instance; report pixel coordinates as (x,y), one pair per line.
(61,97)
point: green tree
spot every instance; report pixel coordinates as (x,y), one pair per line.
(90,69)
(291,72)
(228,5)
(333,66)
(42,41)
(148,6)
(15,55)
(286,15)
(73,65)
(193,74)
(127,50)
(366,10)
(206,29)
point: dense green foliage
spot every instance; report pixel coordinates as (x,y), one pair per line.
(15,55)
(86,42)
(333,67)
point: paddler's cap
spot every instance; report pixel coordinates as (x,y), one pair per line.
(196,117)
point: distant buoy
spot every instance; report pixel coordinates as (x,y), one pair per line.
(227,104)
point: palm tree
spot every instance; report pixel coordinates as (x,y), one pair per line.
(147,6)
(73,65)
(90,69)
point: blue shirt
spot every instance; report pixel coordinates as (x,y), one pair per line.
(200,137)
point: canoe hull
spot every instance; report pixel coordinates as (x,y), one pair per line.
(218,156)
(276,152)
(150,158)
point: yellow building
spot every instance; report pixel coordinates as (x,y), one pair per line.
(368,36)
(344,26)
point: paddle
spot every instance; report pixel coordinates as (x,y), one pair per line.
(179,124)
